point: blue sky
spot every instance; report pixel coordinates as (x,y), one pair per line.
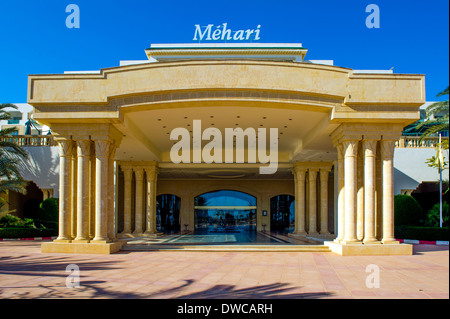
(412,38)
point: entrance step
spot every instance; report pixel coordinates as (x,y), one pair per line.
(228,248)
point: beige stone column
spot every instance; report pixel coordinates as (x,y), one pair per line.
(387,157)
(312,199)
(128,176)
(139,202)
(102,149)
(300,175)
(74,194)
(65,190)
(83,198)
(341,195)
(369,151)
(350,148)
(360,195)
(152,173)
(111,194)
(92,172)
(324,172)
(379,194)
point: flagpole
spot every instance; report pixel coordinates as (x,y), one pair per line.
(440,183)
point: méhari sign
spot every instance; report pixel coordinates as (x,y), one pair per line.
(220,32)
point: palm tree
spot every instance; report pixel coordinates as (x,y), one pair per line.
(10,154)
(436,124)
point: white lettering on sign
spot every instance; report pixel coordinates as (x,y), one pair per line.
(221,32)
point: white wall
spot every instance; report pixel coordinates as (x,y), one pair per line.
(410,168)
(42,167)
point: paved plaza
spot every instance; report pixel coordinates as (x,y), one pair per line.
(27,273)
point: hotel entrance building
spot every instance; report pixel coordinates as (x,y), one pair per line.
(337,129)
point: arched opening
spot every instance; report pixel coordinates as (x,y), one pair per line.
(168,213)
(282,213)
(225,211)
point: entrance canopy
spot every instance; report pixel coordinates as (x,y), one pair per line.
(119,131)
(144,103)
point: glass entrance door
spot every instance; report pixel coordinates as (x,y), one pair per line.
(219,220)
(225,212)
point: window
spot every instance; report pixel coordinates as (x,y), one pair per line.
(225,211)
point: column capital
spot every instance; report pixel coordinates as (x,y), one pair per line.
(102,148)
(350,147)
(151,171)
(112,150)
(65,147)
(83,148)
(299,171)
(126,168)
(369,147)
(139,173)
(324,173)
(387,148)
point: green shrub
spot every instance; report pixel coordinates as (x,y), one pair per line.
(18,232)
(433,215)
(422,233)
(13,221)
(48,210)
(407,210)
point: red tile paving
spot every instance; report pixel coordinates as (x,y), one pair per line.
(27,273)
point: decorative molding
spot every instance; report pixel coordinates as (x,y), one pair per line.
(387,148)
(83,148)
(102,148)
(180,96)
(65,147)
(350,148)
(369,148)
(138,173)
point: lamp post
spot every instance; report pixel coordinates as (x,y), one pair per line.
(440,181)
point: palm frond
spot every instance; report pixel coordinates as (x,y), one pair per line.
(19,186)
(445,92)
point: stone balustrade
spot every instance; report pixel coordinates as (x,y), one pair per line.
(30,140)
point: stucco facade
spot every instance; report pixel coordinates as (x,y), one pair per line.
(113,133)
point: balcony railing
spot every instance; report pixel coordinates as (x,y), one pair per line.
(47,140)
(30,140)
(413,142)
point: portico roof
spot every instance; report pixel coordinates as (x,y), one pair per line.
(294,52)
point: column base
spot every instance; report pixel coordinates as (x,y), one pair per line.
(390,242)
(353,242)
(62,240)
(298,234)
(81,241)
(100,241)
(370,249)
(152,234)
(125,235)
(81,248)
(321,237)
(372,242)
